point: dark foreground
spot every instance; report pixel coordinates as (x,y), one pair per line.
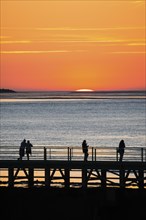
(67,204)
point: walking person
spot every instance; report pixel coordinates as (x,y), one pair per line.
(28,149)
(121,149)
(85,150)
(22,149)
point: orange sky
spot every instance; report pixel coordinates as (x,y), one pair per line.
(70,45)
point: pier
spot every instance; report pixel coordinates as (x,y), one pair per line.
(66,168)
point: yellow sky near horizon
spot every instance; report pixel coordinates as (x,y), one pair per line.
(70,45)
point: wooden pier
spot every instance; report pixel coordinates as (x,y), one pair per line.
(71,172)
(92,173)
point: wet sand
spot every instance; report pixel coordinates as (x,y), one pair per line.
(67,204)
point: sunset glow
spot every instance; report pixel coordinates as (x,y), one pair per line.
(67,45)
(84,90)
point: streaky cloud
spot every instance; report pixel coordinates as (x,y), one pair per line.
(137,44)
(16,42)
(39,51)
(74,28)
(87,29)
(34,51)
(128,52)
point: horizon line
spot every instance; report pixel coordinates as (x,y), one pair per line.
(92,91)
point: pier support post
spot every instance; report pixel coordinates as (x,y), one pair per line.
(103,178)
(122,178)
(141,179)
(30,177)
(84,177)
(11,176)
(47,177)
(67,178)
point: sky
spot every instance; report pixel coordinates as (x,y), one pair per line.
(71,45)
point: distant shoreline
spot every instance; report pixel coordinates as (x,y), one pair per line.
(53,95)
(74,91)
(7,91)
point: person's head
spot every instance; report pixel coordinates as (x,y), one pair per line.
(24,140)
(28,141)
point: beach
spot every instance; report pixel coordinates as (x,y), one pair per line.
(61,203)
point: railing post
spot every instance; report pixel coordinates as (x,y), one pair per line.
(95,154)
(92,154)
(45,153)
(50,153)
(141,154)
(116,154)
(68,153)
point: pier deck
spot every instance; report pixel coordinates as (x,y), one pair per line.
(64,173)
(65,167)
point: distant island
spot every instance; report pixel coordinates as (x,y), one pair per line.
(6,91)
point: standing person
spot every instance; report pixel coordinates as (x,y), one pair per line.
(22,149)
(28,149)
(85,150)
(121,150)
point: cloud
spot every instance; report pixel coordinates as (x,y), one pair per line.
(87,29)
(15,42)
(128,52)
(39,51)
(74,28)
(4,37)
(34,51)
(137,44)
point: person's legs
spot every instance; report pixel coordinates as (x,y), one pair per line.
(27,156)
(86,156)
(121,156)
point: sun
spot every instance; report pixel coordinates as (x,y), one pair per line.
(84,90)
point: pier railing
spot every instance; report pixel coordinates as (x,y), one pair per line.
(74,153)
(65,166)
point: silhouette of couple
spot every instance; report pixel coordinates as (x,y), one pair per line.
(25,147)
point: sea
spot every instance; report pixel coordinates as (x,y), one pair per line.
(66,118)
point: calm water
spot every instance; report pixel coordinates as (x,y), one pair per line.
(65,119)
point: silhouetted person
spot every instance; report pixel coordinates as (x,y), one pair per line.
(22,149)
(28,149)
(85,150)
(121,150)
